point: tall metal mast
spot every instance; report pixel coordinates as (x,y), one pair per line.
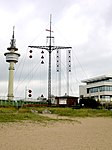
(49,72)
(50,48)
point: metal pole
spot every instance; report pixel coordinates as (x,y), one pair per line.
(25,93)
(67,82)
(49,71)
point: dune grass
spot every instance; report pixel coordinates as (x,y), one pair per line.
(12,114)
(79,112)
(23,114)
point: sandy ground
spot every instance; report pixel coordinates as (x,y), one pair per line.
(83,134)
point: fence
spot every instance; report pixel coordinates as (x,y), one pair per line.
(21,102)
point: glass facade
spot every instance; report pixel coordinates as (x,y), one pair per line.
(99,89)
(106,98)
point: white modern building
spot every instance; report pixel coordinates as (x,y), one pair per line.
(99,88)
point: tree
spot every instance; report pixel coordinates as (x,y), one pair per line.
(89,103)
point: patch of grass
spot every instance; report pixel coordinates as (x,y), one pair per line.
(14,115)
(7,110)
(79,112)
(23,114)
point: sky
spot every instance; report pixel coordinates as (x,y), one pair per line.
(85,25)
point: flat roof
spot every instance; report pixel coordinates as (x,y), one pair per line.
(98,78)
(66,96)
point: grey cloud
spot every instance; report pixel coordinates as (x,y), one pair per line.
(94,55)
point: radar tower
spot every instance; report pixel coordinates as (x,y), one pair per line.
(11,58)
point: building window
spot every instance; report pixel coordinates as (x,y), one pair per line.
(99,89)
(105,98)
(105,88)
